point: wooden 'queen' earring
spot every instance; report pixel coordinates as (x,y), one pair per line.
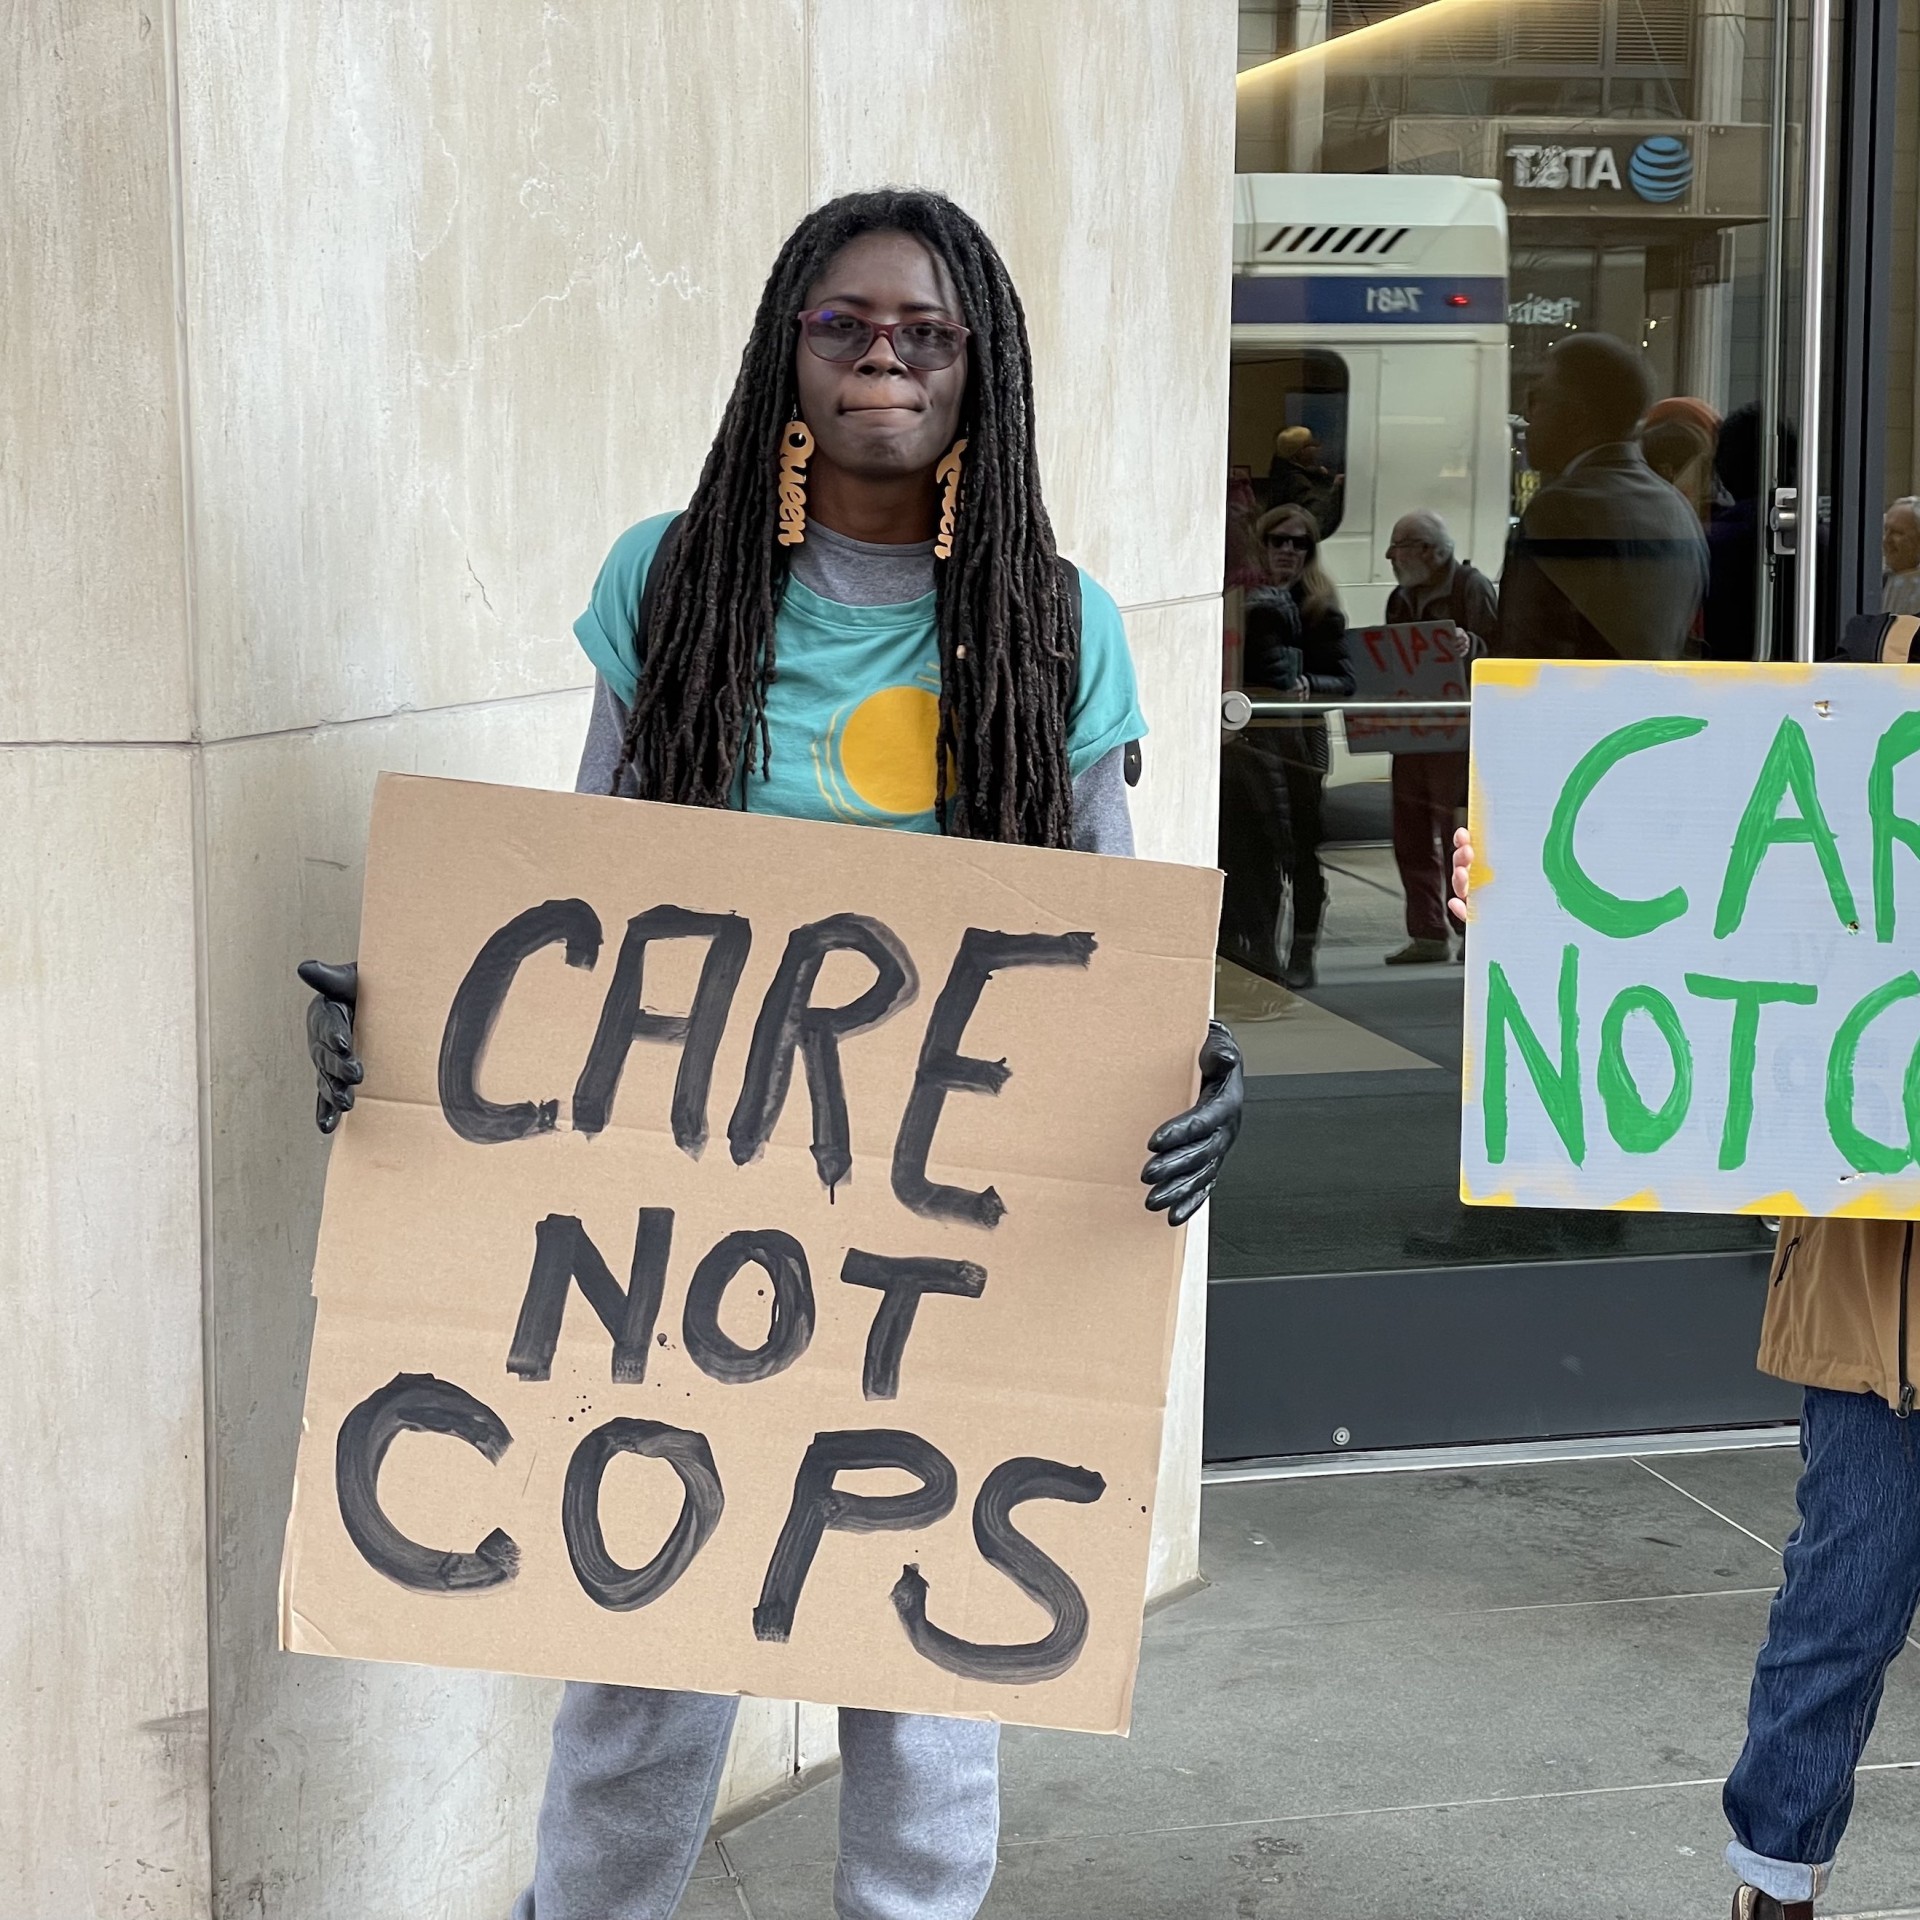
(947,473)
(796,447)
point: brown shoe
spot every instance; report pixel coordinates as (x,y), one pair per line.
(1751,1904)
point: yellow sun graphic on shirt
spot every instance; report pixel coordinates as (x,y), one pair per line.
(877,755)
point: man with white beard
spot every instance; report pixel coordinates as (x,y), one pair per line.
(1434,585)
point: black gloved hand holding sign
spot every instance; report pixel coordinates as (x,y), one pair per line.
(330,1038)
(1189,1151)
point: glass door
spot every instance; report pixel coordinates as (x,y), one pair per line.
(1892,543)
(1520,365)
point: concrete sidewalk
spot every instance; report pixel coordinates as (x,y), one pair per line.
(1508,1693)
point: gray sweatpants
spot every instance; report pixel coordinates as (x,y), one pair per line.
(631,1787)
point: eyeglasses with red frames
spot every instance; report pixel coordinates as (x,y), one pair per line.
(831,333)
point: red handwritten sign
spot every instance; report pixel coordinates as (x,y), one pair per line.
(1410,663)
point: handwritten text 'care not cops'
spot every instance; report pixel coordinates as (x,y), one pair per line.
(788,1025)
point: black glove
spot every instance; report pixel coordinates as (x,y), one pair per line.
(330,1038)
(1189,1150)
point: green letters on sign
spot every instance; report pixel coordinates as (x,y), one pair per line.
(1901,741)
(1748,997)
(1787,769)
(1636,1127)
(1861,1149)
(1558,1087)
(1604,912)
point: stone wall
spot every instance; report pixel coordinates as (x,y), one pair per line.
(338,344)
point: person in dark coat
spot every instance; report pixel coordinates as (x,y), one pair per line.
(1295,648)
(1608,562)
(1298,477)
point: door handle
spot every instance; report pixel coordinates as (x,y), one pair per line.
(1783,519)
(1813,371)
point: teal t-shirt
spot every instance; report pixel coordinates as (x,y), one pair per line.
(854,711)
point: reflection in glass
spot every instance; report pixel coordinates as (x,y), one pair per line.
(1500,305)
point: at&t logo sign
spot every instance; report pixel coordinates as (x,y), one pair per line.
(1659,169)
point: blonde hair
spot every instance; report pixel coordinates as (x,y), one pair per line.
(1318,594)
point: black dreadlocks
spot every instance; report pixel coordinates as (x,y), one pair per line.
(1009,658)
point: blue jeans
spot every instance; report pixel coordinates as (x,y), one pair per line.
(632,1785)
(1843,1613)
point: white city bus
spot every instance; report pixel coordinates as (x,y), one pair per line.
(1372,309)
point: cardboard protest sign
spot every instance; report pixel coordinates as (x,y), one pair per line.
(734,1275)
(1691,968)
(1411,663)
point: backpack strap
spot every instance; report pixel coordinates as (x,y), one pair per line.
(1881,639)
(1070,586)
(1458,611)
(1862,637)
(649,590)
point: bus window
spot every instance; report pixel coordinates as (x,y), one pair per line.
(1289,430)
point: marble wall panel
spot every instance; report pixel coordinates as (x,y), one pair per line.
(103,1640)
(1095,143)
(339,1787)
(761,1760)
(466,287)
(1176,656)
(1175,1556)
(93,643)
(816,1737)
(1176,659)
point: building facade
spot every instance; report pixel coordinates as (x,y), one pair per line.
(339,342)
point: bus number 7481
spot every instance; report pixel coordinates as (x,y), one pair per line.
(1393,299)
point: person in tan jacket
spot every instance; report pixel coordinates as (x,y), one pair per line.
(1840,1310)
(1839,1323)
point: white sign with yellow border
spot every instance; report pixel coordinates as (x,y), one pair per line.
(1693,966)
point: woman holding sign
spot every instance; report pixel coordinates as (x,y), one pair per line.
(861,617)
(1840,1322)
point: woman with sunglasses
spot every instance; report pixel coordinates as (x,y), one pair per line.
(861,616)
(1295,648)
